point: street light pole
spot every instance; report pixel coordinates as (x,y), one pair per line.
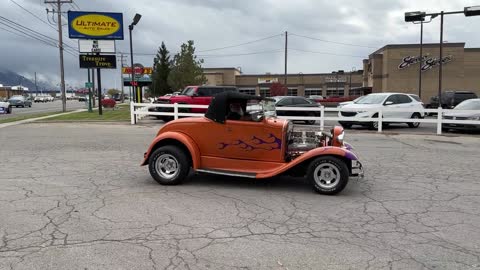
(132,78)
(421,62)
(419,16)
(441,63)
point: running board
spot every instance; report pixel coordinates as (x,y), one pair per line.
(227,173)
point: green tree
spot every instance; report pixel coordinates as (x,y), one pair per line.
(112,92)
(186,69)
(161,70)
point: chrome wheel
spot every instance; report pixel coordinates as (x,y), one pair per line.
(167,166)
(326,175)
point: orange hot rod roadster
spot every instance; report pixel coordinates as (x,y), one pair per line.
(241,136)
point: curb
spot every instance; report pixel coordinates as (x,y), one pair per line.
(24,121)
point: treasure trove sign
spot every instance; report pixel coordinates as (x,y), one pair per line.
(95,25)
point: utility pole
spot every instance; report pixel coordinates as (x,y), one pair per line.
(60,46)
(36,87)
(441,62)
(286,48)
(421,62)
(121,74)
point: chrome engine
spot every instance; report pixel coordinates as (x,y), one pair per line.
(303,141)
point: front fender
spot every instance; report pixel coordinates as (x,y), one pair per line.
(180,138)
(321,151)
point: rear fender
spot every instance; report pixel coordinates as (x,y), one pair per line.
(341,153)
(170,137)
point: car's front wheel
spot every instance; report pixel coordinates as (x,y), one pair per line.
(310,122)
(169,165)
(328,175)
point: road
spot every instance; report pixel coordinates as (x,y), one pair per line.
(73,196)
(37,108)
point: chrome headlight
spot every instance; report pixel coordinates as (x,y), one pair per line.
(341,137)
(475,118)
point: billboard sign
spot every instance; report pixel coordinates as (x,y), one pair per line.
(95,25)
(267,80)
(98,61)
(96,46)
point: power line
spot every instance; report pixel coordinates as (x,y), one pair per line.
(334,42)
(27,35)
(37,17)
(239,54)
(75,4)
(31,32)
(241,44)
(28,11)
(326,53)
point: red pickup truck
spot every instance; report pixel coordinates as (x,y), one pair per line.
(194,95)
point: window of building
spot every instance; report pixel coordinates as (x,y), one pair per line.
(356,92)
(313,92)
(292,92)
(248,91)
(265,92)
(335,92)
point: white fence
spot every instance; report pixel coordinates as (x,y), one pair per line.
(140,110)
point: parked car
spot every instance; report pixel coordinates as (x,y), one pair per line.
(20,101)
(297,101)
(259,147)
(450,99)
(39,99)
(470,104)
(382,100)
(5,106)
(195,95)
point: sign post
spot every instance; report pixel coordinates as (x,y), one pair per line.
(97,32)
(89,86)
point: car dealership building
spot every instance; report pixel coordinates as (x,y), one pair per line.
(392,68)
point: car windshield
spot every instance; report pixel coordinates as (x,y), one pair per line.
(188,91)
(469,105)
(371,99)
(16,97)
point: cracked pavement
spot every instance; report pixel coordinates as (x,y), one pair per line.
(73,196)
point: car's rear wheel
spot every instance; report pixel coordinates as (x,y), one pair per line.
(169,165)
(328,175)
(414,124)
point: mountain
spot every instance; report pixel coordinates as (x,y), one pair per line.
(10,78)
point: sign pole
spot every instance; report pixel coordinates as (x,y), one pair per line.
(89,93)
(100,112)
(93,87)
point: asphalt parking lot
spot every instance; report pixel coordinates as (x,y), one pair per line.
(73,196)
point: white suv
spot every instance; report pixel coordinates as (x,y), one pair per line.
(383,100)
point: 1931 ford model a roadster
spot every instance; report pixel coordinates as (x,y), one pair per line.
(253,145)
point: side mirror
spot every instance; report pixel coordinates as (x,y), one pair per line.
(195,94)
(388,103)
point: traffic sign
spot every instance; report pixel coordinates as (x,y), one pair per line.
(88,85)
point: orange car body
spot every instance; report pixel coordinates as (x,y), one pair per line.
(252,149)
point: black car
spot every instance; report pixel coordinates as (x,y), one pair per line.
(296,101)
(450,99)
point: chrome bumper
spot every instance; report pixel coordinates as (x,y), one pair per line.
(357,169)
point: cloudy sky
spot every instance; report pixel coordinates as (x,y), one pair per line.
(354,29)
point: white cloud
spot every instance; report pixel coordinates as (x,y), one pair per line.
(218,23)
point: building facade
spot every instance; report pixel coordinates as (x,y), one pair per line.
(396,68)
(323,84)
(8,91)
